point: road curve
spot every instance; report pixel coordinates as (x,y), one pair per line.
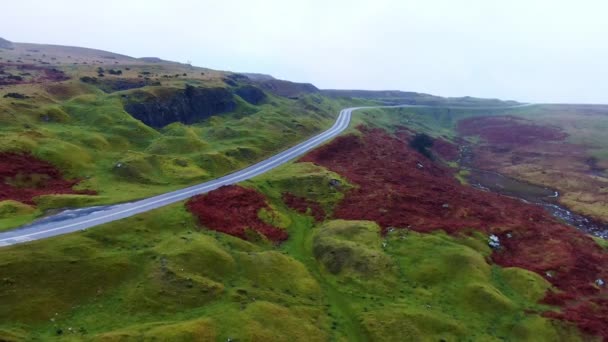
(80,219)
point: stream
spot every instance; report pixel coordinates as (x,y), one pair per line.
(529,193)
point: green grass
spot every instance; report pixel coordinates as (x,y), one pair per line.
(586,125)
(157,270)
(90,137)
(436,122)
(159,275)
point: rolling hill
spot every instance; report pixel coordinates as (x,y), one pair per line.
(417,224)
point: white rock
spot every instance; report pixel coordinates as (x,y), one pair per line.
(494,241)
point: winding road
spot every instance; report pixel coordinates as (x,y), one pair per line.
(80,219)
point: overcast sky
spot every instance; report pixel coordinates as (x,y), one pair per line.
(533,50)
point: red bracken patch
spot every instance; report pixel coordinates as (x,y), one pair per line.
(445,149)
(302,205)
(398,187)
(232,210)
(23,177)
(509,130)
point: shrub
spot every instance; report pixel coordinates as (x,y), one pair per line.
(88,79)
(16,96)
(421,143)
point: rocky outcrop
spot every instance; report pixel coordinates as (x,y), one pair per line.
(251,94)
(187,106)
(110,85)
(287,88)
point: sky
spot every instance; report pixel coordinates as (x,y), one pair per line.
(531,51)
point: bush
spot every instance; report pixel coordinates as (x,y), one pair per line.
(421,143)
(16,96)
(88,79)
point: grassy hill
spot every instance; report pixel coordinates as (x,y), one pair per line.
(407,97)
(128,128)
(367,238)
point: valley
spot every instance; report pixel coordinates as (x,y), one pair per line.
(289,221)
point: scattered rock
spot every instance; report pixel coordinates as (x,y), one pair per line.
(600,282)
(494,242)
(335,183)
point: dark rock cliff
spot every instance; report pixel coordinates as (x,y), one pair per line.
(187,106)
(251,94)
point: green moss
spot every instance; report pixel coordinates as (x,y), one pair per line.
(193,330)
(406,324)
(10,208)
(87,134)
(304,180)
(14,213)
(602,242)
(66,201)
(529,285)
(54,115)
(13,335)
(264,268)
(461,176)
(354,252)
(274,218)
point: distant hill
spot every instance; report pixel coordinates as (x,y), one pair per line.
(5,44)
(413,98)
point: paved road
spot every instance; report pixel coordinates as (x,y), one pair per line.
(79,219)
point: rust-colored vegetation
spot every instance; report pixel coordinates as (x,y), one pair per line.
(24,177)
(234,210)
(398,187)
(303,205)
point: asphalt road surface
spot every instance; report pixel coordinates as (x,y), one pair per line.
(80,219)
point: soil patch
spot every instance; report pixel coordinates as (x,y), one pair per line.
(234,210)
(398,187)
(24,177)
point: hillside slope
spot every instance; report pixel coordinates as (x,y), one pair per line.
(120,128)
(377,235)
